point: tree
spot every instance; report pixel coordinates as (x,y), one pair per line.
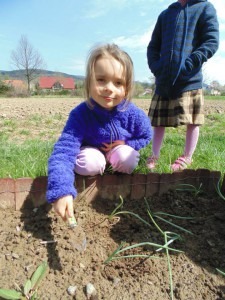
(215,84)
(138,89)
(4,87)
(26,58)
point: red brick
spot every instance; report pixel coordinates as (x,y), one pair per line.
(109,187)
(80,183)
(203,179)
(184,177)
(22,189)
(152,184)
(207,180)
(167,181)
(124,179)
(124,185)
(114,185)
(16,193)
(138,189)
(92,190)
(190,176)
(40,184)
(7,193)
(109,179)
(90,180)
(215,177)
(223,185)
(38,190)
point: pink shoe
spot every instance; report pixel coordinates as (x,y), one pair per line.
(151,162)
(182,163)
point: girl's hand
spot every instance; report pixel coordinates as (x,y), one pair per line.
(64,207)
(108,147)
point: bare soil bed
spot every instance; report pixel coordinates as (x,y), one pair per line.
(194,270)
(23,107)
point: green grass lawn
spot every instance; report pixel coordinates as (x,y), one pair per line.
(26,144)
(209,154)
(29,158)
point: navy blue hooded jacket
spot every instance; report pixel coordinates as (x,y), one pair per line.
(183,39)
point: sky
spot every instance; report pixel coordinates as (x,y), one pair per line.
(63,32)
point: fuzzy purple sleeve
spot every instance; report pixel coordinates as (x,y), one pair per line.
(61,163)
(140,128)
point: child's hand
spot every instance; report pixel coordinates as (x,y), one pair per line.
(108,147)
(64,207)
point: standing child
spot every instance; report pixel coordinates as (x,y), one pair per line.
(185,36)
(106,128)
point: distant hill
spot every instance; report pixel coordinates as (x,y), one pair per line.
(19,74)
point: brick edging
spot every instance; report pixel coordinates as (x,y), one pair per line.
(14,193)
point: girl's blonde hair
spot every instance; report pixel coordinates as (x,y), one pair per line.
(110,50)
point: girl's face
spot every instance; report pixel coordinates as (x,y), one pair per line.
(108,86)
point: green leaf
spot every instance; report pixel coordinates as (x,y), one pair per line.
(10,294)
(221,272)
(34,296)
(38,275)
(27,287)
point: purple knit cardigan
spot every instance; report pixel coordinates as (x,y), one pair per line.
(93,126)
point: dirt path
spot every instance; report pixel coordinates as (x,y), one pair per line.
(23,107)
(44,118)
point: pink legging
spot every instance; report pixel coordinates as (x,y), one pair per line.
(192,135)
(91,161)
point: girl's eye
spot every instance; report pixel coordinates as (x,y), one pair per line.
(100,80)
(119,83)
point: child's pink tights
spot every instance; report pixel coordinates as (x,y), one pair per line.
(91,161)
(192,135)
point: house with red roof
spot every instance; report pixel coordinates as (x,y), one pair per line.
(15,83)
(56,83)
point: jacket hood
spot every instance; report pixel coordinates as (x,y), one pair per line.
(175,4)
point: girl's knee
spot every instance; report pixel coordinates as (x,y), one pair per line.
(90,161)
(123,159)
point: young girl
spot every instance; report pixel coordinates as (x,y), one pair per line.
(106,128)
(185,36)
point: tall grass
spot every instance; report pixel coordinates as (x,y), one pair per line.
(209,153)
(29,158)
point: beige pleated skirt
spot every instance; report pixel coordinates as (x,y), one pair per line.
(183,110)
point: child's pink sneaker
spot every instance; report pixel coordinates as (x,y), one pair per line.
(151,162)
(182,163)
